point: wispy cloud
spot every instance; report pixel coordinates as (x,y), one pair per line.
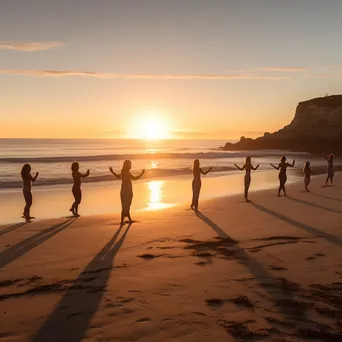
(194,134)
(325,75)
(283,69)
(100,75)
(29,46)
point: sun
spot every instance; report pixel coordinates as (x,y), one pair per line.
(153,129)
(150,126)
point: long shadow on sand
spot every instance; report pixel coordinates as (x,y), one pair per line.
(314,205)
(14,227)
(273,286)
(288,301)
(326,197)
(254,266)
(72,315)
(21,248)
(314,231)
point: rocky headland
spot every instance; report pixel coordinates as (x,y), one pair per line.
(316,127)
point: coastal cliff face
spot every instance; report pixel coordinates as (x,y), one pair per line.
(316,127)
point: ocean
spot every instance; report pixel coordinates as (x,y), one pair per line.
(52,158)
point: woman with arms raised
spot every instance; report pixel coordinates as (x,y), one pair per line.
(126,193)
(27,180)
(197,183)
(76,189)
(282,166)
(248,167)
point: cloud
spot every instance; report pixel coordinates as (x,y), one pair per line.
(283,69)
(99,75)
(29,46)
(194,134)
(324,76)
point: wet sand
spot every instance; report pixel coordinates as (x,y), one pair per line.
(149,194)
(269,270)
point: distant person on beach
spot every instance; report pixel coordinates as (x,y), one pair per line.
(197,183)
(282,166)
(307,175)
(76,189)
(126,193)
(27,180)
(248,167)
(330,168)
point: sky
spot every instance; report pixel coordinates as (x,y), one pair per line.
(199,68)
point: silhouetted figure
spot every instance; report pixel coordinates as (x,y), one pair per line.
(76,189)
(126,193)
(27,180)
(197,183)
(307,174)
(282,174)
(248,167)
(330,168)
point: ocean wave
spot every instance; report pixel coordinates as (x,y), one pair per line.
(104,157)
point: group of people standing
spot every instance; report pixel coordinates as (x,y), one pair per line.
(126,193)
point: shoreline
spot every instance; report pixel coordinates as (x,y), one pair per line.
(150,194)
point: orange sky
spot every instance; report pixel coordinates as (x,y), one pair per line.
(235,68)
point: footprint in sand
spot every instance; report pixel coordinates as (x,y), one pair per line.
(215,302)
(143,320)
(243,301)
(147,256)
(125,300)
(277,268)
(201,263)
(202,254)
(5,283)
(74,314)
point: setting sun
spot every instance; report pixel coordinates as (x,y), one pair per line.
(150,126)
(153,130)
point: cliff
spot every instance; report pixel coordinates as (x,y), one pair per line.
(316,127)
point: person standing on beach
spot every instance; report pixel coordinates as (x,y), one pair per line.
(76,189)
(248,167)
(126,193)
(282,166)
(197,183)
(307,174)
(330,168)
(27,180)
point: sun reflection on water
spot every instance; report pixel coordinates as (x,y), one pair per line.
(156,196)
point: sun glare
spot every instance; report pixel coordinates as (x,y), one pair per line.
(150,126)
(156,196)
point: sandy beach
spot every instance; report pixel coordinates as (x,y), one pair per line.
(149,194)
(269,270)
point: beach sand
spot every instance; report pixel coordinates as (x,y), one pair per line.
(269,270)
(149,194)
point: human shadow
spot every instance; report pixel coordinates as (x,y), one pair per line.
(268,282)
(326,197)
(314,231)
(21,248)
(314,205)
(14,227)
(72,315)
